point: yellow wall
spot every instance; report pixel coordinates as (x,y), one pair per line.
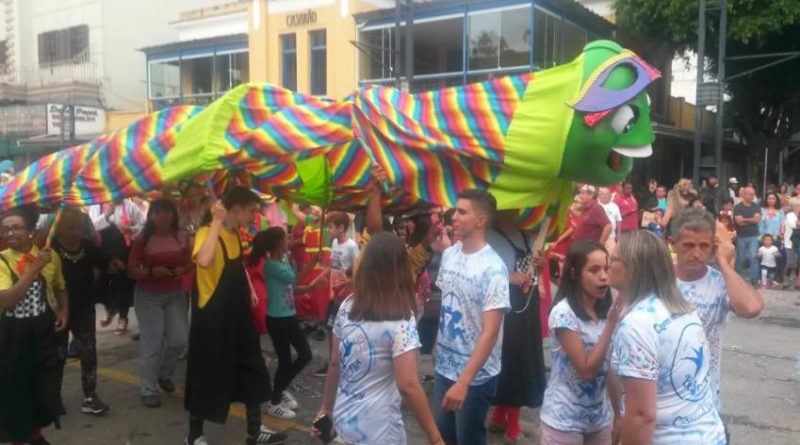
(265,54)
(117,120)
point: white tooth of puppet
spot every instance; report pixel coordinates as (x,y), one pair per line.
(635,152)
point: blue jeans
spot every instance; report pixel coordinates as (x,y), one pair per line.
(747,247)
(468,426)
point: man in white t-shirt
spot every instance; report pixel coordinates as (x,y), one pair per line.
(612,212)
(714,292)
(475,296)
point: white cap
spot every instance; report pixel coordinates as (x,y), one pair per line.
(733,180)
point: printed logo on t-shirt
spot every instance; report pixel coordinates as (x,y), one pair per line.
(356,353)
(689,369)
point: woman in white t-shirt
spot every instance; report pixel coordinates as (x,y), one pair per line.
(659,352)
(373,362)
(576,408)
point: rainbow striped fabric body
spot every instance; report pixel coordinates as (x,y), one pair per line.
(301,147)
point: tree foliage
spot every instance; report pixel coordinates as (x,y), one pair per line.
(765,105)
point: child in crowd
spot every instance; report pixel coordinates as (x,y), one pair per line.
(344,251)
(284,329)
(768,254)
(655,225)
(726,217)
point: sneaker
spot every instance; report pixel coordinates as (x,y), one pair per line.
(267,437)
(151,401)
(199,441)
(122,327)
(104,323)
(93,405)
(166,385)
(280,412)
(288,400)
(320,334)
(321,372)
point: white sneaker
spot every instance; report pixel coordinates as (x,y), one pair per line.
(280,412)
(199,441)
(288,400)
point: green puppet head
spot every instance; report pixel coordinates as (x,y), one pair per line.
(612,122)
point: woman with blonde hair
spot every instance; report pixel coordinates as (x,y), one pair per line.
(658,354)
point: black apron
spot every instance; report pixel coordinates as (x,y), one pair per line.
(224,362)
(29,365)
(522,377)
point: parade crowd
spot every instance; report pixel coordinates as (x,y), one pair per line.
(642,286)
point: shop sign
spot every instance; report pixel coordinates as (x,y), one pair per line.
(88,120)
(301,19)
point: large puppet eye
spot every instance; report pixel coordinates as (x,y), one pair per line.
(624,119)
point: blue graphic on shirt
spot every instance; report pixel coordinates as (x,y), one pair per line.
(355,366)
(709,295)
(451,323)
(689,371)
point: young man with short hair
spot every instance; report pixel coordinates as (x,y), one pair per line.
(714,292)
(224,362)
(475,296)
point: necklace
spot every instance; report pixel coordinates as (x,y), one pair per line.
(73,257)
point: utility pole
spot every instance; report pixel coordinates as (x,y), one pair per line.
(397,47)
(409,67)
(698,113)
(718,134)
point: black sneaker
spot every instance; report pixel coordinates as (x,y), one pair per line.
(94,406)
(151,401)
(267,437)
(322,372)
(320,335)
(166,385)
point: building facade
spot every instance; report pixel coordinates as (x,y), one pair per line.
(209,57)
(456,42)
(75,62)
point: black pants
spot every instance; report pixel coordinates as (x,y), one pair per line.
(82,325)
(286,333)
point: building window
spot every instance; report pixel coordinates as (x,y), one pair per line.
(230,71)
(439,46)
(319,62)
(165,79)
(376,60)
(289,61)
(574,40)
(70,45)
(547,39)
(500,39)
(196,77)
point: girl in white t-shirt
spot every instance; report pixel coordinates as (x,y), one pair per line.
(373,362)
(576,408)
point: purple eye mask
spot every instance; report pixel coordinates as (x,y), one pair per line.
(595,98)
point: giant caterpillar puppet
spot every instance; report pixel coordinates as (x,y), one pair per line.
(525,138)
